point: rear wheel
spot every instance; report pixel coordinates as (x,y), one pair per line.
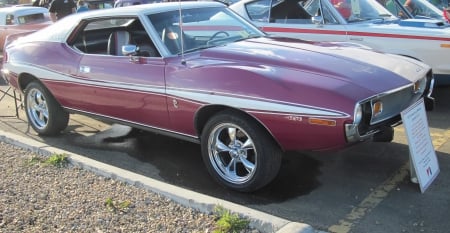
(238,152)
(44,113)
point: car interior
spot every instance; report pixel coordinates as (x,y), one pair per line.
(96,38)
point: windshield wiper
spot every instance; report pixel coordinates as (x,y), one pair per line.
(199,48)
(251,36)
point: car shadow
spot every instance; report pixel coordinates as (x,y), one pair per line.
(179,163)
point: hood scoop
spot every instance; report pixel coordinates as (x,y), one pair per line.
(423,23)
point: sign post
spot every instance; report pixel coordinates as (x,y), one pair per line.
(422,154)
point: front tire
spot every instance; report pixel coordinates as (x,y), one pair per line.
(44,113)
(238,152)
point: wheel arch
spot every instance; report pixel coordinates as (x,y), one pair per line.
(204,114)
(25,79)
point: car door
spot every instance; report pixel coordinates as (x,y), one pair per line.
(128,88)
(309,20)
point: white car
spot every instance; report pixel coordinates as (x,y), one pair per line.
(365,22)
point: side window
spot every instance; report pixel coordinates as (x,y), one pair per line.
(109,36)
(33,18)
(314,8)
(289,11)
(259,10)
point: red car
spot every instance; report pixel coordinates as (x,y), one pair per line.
(19,19)
(199,72)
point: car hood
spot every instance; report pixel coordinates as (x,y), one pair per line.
(423,23)
(347,62)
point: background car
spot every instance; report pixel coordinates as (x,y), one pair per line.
(8,3)
(22,19)
(99,4)
(122,3)
(361,21)
(199,72)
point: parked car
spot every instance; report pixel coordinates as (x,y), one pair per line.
(417,9)
(8,3)
(361,21)
(214,79)
(122,3)
(99,4)
(21,19)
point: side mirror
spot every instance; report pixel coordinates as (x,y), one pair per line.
(317,19)
(129,50)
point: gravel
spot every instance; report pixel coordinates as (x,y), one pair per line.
(38,197)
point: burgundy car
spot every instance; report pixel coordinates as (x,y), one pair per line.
(199,72)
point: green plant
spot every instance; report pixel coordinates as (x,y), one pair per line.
(228,222)
(114,206)
(34,160)
(57,160)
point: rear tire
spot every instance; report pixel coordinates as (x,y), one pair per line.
(238,152)
(44,113)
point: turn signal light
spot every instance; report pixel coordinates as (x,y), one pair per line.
(416,87)
(377,108)
(318,121)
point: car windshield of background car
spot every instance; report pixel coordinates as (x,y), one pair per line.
(361,10)
(419,8)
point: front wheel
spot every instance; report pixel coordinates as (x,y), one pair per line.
(44,113)
(238,152)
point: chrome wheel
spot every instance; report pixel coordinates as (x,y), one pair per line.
(44,113)
(238,152)
(37,108)
(232,153)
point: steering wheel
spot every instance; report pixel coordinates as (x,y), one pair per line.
(218,33)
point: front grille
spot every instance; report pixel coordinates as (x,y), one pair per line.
(394,103)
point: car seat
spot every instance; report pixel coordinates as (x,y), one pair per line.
(343,7)
(116,40)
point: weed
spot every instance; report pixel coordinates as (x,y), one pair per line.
(34,160)
(57,160)
(114,206)
(228,222)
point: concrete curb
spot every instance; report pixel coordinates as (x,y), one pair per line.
(259,220)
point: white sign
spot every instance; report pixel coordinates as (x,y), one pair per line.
(422,153)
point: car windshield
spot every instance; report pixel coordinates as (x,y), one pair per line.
(201,28)
(417,8)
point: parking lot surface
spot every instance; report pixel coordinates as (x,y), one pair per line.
(365,188)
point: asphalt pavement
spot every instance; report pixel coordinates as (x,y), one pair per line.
(365,188)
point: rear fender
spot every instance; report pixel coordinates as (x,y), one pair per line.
(10,38)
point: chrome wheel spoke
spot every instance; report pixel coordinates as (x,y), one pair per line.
(219,146)
(248,144)
(232,134)
(230,169)
(249,166)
